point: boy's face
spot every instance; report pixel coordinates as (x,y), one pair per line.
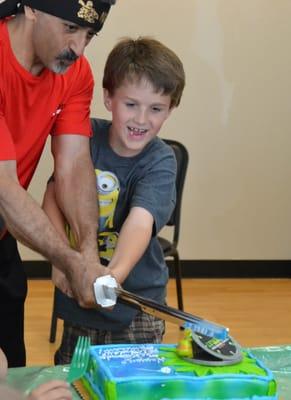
(138,113)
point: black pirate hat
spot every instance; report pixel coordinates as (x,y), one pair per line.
(87,13)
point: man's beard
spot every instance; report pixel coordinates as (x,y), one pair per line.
(61,65)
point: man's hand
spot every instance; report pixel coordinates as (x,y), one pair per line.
(82,277)
(60,280)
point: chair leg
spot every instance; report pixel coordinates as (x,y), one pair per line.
(54,322)
(178,276)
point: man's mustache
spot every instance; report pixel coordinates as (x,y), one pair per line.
(67,55)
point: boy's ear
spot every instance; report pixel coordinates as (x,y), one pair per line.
(107,99)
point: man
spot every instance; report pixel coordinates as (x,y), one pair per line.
(46,88)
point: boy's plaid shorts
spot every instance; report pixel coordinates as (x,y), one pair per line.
(144,328)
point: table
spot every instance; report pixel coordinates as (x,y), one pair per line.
(276,358)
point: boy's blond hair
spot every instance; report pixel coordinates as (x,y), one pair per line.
(133,60)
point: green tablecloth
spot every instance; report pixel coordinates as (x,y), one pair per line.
(26,379)
(276,358)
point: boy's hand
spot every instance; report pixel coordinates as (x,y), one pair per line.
(53,390)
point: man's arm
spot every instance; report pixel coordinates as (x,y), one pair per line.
(133,240)
(76,196)
(75,189)
(27,222)
(56,217)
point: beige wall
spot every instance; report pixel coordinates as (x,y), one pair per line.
(235,118)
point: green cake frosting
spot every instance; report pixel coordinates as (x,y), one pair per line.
(156,372)
(247,366)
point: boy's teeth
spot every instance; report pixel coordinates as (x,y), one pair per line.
(137,130)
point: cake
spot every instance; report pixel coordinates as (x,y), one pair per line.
(158,372)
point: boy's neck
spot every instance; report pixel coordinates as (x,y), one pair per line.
(120,150)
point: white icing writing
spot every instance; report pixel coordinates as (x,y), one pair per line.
(134,354)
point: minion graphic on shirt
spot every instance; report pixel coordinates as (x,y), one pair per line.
(108,189)
(106,243)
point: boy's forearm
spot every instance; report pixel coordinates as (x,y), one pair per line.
(133,240)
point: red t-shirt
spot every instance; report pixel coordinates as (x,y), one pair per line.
(32,107)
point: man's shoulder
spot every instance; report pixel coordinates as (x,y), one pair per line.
(78,80)
(79,71)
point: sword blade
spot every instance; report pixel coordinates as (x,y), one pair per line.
(167,313)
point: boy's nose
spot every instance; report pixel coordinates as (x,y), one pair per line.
(141,117)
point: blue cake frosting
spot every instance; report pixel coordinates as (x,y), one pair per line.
(150,372)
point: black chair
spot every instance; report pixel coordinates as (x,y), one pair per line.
(54,320)
(170,248)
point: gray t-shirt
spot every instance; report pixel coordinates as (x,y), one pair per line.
(146,180)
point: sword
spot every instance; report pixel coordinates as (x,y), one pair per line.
(211,341)
(170,314)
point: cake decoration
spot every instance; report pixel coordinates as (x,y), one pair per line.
(152,371)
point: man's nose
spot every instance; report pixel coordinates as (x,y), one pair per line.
(78,43)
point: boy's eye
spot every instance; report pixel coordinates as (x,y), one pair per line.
(156,109)
(128,104)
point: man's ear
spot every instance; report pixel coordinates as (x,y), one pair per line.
(107,100)
(29,13)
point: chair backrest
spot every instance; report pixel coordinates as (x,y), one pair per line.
(182,158)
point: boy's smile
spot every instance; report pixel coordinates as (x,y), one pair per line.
(138,113)
(137,132)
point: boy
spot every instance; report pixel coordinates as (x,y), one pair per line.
(135,174)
